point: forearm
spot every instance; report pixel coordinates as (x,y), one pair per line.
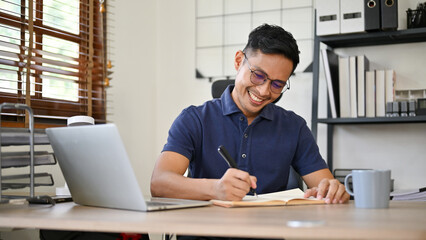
(173,185)
(313,179)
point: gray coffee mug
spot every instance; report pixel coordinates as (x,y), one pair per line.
(371,188)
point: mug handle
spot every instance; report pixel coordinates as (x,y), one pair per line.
(347,184)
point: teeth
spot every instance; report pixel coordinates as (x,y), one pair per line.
(255,98)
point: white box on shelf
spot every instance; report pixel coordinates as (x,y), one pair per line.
(328,17)
(352,16)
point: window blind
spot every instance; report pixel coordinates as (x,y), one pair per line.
(53,58)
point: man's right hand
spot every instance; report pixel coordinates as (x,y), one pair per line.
(234,185)
(168,181)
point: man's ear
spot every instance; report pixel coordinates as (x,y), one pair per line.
(238,60)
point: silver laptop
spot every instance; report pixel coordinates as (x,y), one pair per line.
(97,170)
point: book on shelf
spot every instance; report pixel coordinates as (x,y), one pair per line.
(344,87)
(350,94)
(282,198)
(370,93)
(353,86)
(331,71)
(390,85)
(363,65)
(380,93)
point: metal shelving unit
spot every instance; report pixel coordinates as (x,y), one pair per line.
(19,137)
(357,40)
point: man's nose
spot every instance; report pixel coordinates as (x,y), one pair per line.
(264,89)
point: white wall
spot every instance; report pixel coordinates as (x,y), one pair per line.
(133,93)
(154,80)
(177,86)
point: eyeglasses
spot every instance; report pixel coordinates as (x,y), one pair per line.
(258,77)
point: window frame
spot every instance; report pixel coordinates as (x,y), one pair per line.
(51,111)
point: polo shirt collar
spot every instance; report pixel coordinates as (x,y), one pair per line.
(229,107)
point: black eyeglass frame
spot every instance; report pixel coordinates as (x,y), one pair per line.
(252,72)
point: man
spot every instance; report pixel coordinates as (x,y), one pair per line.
(264,139)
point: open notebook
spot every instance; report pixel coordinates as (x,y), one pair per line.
(283,198)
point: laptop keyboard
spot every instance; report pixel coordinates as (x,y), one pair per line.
(155,204)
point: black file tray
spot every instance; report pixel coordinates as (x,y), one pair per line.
(23,159)
(23,180)
(21,136)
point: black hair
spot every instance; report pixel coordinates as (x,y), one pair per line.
(272,39)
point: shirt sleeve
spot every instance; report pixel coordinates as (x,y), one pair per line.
(307,158)
(184,133)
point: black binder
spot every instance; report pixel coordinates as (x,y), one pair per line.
(389,12)
(372,15)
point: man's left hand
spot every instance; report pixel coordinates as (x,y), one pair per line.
(331,190)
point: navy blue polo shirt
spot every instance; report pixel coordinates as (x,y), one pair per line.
(266,148)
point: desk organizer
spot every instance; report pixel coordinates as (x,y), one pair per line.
(21,137)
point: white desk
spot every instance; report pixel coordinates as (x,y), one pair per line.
(403,220)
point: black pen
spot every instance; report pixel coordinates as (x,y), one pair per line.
(231,162)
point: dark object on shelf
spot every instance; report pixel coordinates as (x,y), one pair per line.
(417,18)
(389,107)
(395,109)
(421,106)
(372,15)
(389,14)
(404,108)
(400,109)
(412,108)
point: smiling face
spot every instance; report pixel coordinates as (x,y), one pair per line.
(251,98)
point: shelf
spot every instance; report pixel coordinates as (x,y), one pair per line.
(374,38)
(21,136)
(379,120)
(414,35)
